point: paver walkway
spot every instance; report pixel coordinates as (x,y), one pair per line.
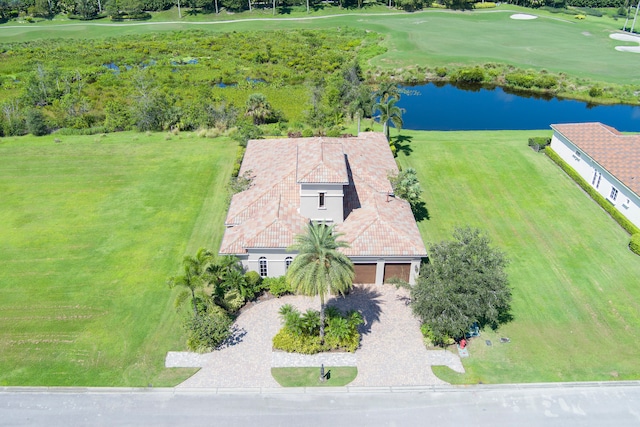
(391,354)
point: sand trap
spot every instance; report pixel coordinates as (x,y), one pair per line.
(523,16)
(627,38)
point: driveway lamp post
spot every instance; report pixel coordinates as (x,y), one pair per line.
(322,374)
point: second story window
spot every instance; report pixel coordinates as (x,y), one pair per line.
(321,201)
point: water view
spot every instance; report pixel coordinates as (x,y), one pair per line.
(430,107)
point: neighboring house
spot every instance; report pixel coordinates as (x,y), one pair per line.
(607,159)
(341,181)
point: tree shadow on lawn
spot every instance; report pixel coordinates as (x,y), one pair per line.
(402,144)
(366,300)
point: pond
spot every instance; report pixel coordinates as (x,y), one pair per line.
(446,107)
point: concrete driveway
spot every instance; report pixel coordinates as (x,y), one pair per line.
(391,351)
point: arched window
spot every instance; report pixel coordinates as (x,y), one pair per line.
(287,262)
(263,266)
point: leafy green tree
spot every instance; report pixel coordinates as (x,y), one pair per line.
(320,268)
(258,108)
(389,113)
(87,9)
(36,122)
(464,282)
(194,278)
(151,107)
(407,187)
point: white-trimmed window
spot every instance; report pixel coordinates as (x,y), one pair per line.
(614,193)
(321,200)
(262,263)
(287,262)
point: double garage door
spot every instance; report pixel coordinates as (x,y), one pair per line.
(366,273)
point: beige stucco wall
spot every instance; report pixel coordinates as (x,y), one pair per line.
(627,202)
(334,208)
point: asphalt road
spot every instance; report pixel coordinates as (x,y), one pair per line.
(575,404)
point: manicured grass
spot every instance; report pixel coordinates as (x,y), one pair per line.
(576,299)
(309,377)
(91,228)
(434,37)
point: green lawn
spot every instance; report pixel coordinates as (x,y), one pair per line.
(309,377)
(554,42)
(576,302)
(91,229)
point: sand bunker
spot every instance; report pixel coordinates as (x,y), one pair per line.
(627,38)
(523,16)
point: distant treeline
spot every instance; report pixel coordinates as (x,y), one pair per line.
(136,9)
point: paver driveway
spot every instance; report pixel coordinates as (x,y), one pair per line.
(391,352)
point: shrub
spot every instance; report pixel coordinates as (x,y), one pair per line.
(485,5)
(580,17)
(469,75)
(86,131)
(520,79)
(307,133)
(595,92)
(277,286)
(207,331)
(294,343)
(627,225)
(539,142)
(545,81)
(254,282)
(441,71)
(334,132)
(634,244)
(233,300)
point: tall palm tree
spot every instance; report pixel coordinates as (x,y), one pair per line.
(195,276)
(320,268)
(387,90)
(362,104)
(389,112)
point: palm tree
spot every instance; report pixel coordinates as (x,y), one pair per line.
(362,104)
(319,268)
(389,112)
(387,90)
(195,278)
(258,108)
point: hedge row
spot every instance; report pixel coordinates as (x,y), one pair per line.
(634,245)
(628,226)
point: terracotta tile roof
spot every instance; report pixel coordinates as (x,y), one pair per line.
(617,153)
(321,162)
(267,214)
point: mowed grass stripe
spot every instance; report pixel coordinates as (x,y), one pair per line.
(100,250)
(573,277)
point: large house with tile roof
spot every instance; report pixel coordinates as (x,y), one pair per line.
(339,181)
(607,159)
